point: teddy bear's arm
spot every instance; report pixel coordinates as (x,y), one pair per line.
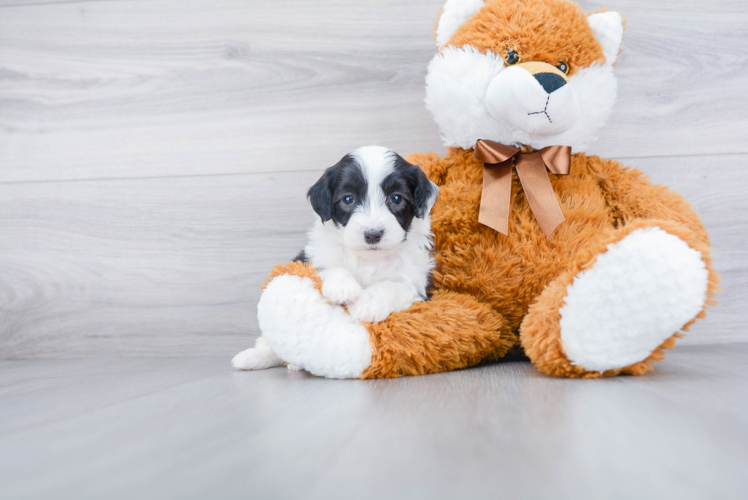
(630,194)
(433,166)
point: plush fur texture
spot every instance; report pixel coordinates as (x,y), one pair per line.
(639,291)
(454,15)
(540,331)
(608,30)
(626,243)
(473,94)
(462,331)
(333,345)
(260,357)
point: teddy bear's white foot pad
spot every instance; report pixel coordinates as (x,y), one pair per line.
(260,357)
(637,294)
(307,331)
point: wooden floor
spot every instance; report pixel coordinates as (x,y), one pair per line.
(194,428)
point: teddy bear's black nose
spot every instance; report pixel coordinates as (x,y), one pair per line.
(373,236)
(550,81)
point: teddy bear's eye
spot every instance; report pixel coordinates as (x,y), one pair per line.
(563,67)
(512,58)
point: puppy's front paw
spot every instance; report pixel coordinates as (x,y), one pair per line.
(370,306)
(341,289)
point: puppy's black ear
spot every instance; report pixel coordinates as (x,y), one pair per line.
(424,192)
(320,196)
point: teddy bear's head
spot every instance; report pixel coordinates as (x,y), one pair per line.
(523,72)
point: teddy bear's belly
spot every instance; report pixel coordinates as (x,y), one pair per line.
(509,271)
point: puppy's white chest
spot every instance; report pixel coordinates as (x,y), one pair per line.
(369,273)
(366,273)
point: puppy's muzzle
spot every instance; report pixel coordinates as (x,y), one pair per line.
(373,236)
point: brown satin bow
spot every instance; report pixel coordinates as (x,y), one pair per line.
(496,198)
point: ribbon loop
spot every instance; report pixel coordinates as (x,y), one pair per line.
(532,170)
(494,152)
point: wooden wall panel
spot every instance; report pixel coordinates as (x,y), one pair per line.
(142,266)
(169,87)
(137,89)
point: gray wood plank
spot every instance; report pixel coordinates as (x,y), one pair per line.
(148,267)
(173,266)
(22,3)
(692,372)
(499,430)
(227,431)
(123,89)
(535,437)
(68,388)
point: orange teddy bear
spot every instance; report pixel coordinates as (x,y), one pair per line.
(577,261)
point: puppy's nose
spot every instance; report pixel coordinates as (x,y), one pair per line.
(373,236)
(550,81)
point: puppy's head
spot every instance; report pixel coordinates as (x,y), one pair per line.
(372,196)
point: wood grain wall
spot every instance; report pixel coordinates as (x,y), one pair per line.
(154,155)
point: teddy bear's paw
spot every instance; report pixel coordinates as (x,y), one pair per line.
(260,357)
(305,330)
(339,286)
(636,295)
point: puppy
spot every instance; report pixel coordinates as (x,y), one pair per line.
(372,242)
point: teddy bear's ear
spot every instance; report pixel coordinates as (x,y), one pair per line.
(454,14)
(608,29)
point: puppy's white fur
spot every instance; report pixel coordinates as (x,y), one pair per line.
(371,280)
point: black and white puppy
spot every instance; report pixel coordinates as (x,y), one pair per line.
(372,241)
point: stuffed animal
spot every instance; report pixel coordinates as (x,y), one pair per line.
(581,264)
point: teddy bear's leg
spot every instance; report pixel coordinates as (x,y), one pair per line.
(305,330)
(622,301)
(449,332)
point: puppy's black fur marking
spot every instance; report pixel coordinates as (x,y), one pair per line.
(429,287)
(301,257)
(411,183)
(329,193)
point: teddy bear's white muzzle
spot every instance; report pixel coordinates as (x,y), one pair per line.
(541,104)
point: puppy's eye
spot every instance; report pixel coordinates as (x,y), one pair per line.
(396,199)
(563,67)
(349,200)
(512,58)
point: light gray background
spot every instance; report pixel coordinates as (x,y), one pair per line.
(154,155)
